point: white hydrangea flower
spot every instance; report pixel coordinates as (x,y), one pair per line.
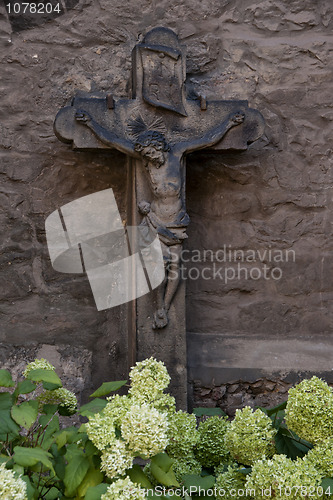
(124,489)
(38,364)
(101,431)
(145,430)
(148,380)
(116,460)
(11,488)
(61,396)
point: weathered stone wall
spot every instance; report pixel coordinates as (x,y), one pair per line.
(276,196)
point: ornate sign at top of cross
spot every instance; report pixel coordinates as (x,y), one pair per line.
(158,127)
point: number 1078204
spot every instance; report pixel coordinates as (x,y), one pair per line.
(33,8)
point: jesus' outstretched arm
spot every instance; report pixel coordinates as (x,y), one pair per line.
(213,136)
(105,135)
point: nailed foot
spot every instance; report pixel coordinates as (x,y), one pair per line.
(160,319)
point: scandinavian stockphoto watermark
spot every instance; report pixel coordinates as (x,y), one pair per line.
(123,263)
(228,264)
(237,493)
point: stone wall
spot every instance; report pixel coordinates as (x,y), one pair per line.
(275,197)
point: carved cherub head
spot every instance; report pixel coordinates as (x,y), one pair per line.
(151,144)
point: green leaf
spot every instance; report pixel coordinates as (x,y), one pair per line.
(53,494)
(108,387)
(327,482)
(163,461)
(77,468)
(95,492)
(92,478)
(49,410)
(285,445)
(95,406)
(48,376)
(25,414)
(18,469)
(29,457)
(197,482)
(48,386)
(24,387)
(276,409)
(90,449)
(67,436)
(6,379)
(6,401)
(201,412)
(161,468)
(49,435)
(277,418)
(30,489)
(60,467)
(137,475)
(8,429)
(61,439)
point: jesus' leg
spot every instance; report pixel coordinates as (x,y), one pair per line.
(168,288)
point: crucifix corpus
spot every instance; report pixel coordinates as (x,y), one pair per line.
(156,128)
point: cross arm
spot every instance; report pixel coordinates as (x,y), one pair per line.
(214,135)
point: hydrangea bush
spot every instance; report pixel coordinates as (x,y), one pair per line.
(133,445)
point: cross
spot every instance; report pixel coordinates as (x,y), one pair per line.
(156,128)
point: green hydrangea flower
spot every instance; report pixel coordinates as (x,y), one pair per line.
(116,460)
(182,434)
(283,478)
(124,489)
(309,411)
(116,408)
(229,483)
(210,449)
(250,436)
(186,465)
(321,456)
(148,378)
(165,403)
(11,487)
(101,431)
(144,429)
(62,397)
(38,364)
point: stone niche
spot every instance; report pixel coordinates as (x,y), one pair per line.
(248,339)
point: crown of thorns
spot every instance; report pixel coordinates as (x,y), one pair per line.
(151,138)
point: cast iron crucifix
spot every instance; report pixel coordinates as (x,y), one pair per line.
(156,128)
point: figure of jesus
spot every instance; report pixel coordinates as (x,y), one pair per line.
(165,214)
